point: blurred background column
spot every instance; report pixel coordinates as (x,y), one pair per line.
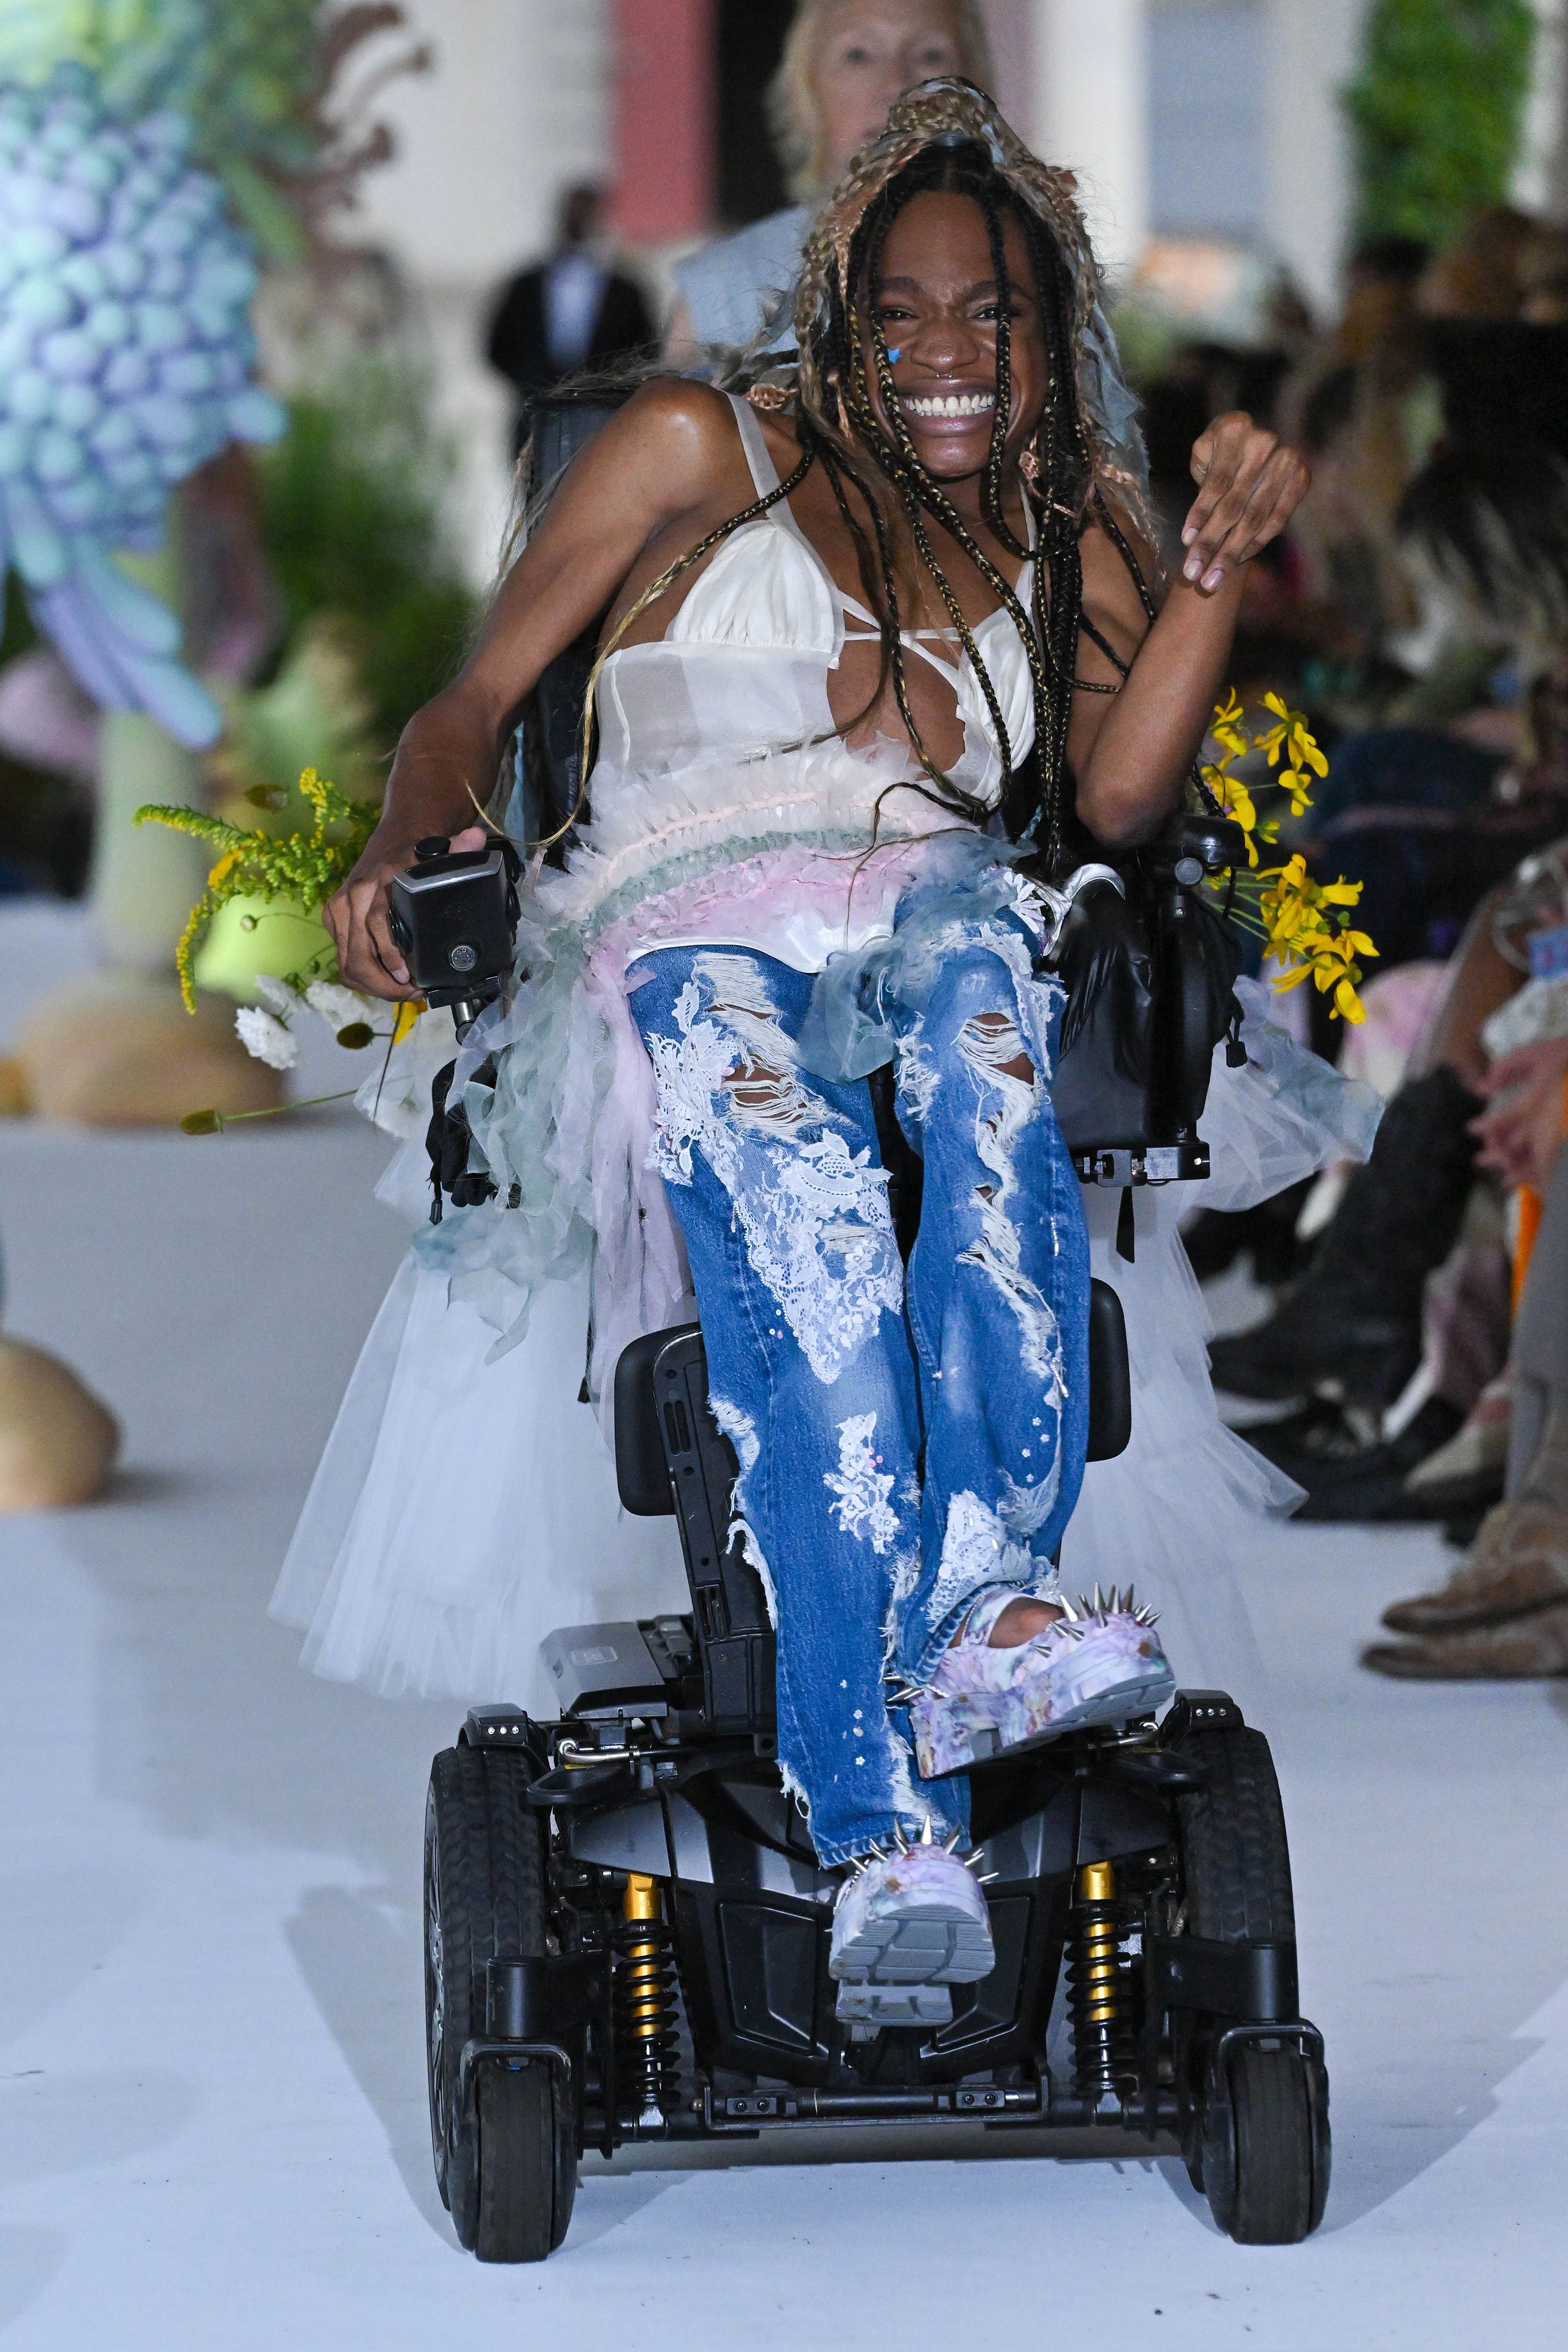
(1541,179)
(665,119)
(1091,62)
(517,108)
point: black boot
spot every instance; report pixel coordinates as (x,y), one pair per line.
(1355,1316)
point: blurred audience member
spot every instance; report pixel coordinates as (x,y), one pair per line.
(1543,278)
(845,63)
(570,312)
(1381,283)
(1489,528)
(1503,1615)
(1477,277)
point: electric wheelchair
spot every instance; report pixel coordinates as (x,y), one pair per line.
(626,1927)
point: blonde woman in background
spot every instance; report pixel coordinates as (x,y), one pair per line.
(844,64)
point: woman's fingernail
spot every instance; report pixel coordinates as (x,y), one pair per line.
(1213,577)
(1193,568)
(1189,533)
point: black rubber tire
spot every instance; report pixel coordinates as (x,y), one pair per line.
(1272,2205)
(1236,1857)
(507,2165)
(1260,2150)
(517,2165)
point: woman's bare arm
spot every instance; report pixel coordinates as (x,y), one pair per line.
(1131,752)
(651,469)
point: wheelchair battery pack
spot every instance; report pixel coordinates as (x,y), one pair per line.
(610,1667)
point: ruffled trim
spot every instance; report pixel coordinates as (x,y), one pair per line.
(647,829)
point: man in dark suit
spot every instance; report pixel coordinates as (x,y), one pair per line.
(570,312)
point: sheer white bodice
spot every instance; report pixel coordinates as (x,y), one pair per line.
(719,734)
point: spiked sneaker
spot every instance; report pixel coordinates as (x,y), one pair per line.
(906,1926)
(1100,1663)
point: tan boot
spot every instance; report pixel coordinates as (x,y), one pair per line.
(1527,1649)
(1518,1562)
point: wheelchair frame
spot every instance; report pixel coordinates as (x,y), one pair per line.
(676,1986)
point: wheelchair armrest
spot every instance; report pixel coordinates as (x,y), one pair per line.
(642,1465)
(1110,1375)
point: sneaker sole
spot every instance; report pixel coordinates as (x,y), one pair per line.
(957,1733)
(938,1945)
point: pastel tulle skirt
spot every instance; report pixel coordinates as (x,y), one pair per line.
(466,1505)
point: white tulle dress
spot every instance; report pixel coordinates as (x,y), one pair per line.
(466,1504)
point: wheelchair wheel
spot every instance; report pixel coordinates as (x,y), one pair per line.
(1260,2146)
(506,2160)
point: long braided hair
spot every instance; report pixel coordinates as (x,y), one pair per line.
(947,136)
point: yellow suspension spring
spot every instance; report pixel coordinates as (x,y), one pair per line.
(1097,1986)
(645,2001)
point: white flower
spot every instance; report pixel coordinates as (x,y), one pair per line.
(276,994)
(267,1039)
(338,1006)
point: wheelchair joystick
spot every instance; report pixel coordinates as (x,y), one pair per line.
(454,915)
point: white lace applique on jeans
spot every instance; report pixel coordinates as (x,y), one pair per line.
(864,1507)
(814,1214)
(977,1549)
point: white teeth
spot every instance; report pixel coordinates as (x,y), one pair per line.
(955,404)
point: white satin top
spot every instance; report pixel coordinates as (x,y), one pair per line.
(719,736)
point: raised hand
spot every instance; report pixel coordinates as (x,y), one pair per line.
(1250,485)
(1521,1129)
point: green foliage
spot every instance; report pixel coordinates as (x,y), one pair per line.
(305,868)
(351,519)
(1435,112)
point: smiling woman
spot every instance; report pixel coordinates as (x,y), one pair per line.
(880,664)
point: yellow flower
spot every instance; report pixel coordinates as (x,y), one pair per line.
(224,865)
(1292,740)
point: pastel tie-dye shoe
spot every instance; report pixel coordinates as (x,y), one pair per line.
(1100,1663)
(906,1926)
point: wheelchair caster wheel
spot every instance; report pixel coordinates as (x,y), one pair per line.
(1262,2151)
(504,2142)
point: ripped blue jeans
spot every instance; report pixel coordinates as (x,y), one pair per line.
(904,1442)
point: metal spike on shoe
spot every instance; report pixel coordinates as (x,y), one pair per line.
(950,1844)
(900,1841)
(926,1835)
(1070,1614)
(972,1861)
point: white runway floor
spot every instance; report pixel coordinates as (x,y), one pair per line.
(212,2107)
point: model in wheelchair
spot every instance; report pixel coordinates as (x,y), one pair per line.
(627,1931)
